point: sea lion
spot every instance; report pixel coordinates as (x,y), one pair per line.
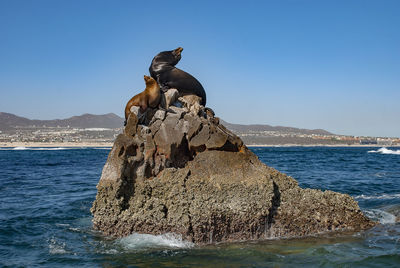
(150,97)
(163,70)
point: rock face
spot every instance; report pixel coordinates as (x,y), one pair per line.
(182,172)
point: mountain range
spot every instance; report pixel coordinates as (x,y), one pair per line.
(10,121)
(237,128)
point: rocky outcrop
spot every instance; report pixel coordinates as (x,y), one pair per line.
(181,171)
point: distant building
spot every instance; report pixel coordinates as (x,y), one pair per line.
(368,141)
(384,142)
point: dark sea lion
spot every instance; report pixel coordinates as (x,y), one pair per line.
(163,70)
(150,97)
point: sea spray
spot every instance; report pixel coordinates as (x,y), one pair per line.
(147,241)
(377,196)
(380,215)
(384,150)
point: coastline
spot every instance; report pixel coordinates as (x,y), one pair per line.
(110,144)
(320,145)
(55,144)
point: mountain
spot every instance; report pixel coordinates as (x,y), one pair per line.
(10,121)
(237,128)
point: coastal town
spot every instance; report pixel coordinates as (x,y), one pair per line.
(59,136)
(71,136)
(293,138)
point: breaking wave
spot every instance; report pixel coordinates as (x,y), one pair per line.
(57,247)
(381,196)
(51,149)
(147,241)
(384,150)
(379,215)
(22,148)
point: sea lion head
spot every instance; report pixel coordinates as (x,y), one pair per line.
(171,57)
(177,52)
(149,80)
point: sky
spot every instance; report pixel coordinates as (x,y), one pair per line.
(326,64)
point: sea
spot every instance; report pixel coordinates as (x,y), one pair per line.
(45,219)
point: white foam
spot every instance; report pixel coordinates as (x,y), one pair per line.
(144,241)
(97,129)
(382,196)
(20,148)
(74,229)
(62,224)
(384,150)
(56,247)
(51,148)
(382,216)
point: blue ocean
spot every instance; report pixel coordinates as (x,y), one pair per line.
(45,220)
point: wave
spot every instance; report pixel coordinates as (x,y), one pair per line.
(51,149)
(384,150)
(382,196)
(56,247)
(383,217)
(22,148)
(146,241)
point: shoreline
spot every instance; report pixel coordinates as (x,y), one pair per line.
(55,144)
(320,145)
(110,144)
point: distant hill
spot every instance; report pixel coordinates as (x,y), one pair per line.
(10,121)
(237,128)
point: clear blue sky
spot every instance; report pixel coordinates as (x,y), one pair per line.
(311,64)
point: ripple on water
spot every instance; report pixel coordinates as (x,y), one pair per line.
(46,222)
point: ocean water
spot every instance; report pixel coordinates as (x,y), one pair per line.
(45,220)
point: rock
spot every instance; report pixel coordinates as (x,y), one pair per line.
(178,111)
(158,115)
(185,173)
(217,139)
(199,140)
(169,97)
(131,125)
(191,103)
(135,110)
(194,123)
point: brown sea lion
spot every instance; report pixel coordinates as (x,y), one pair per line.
(150,97)
(163,69)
